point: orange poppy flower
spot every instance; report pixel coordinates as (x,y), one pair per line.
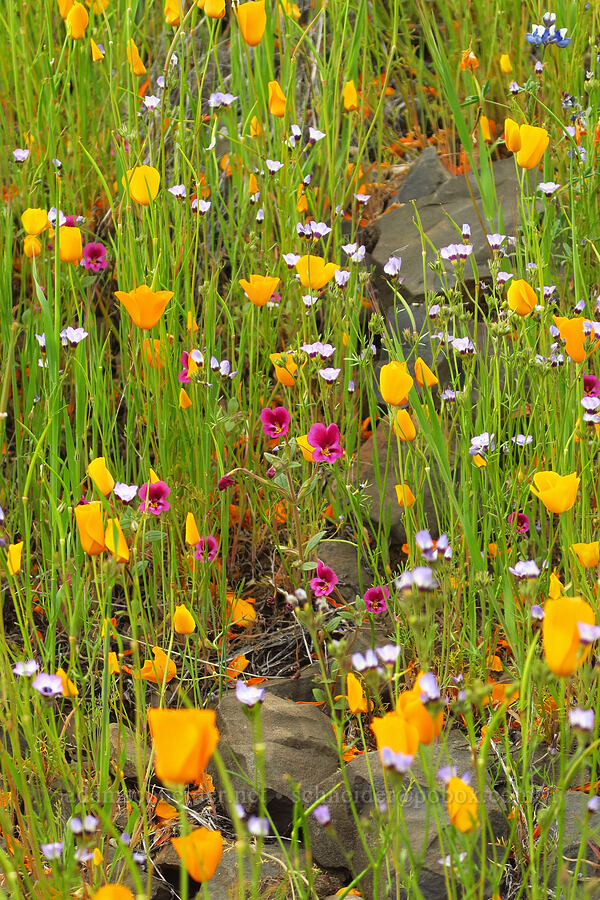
(155,670)
(184,741)
(200,852)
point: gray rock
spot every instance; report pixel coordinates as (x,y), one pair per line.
(424,177)
(344,558)
(297,688)
(586,874)
(298,745)
(127,752)
(380,488)
(365,778)
(449,202)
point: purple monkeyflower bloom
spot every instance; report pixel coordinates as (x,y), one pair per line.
(393,266)
(399,762)
(125,492)
(450,253)
(153,495)
(247,694)
(361,662)
(593,804)
(495,240)
(591,386)
(47,685)
(342,277)
(275,422)
(315,135)
(52,850)
(388,654)
(324,581)
(448,395)
(522,522)
(421,578)
(329,374)
(524,568)
(258,826)
(423,540)
(537,613)
(582,719)
(207,548)
(429,688)
(72,336)
(548,187)
(322,814)
(20,155)
(219,99)
(94,256)
(463,345)
(76,825)
(200,206)
(466,232)
(27,667)
(290,259)
(274,165)
(178,191)
(376,599)
(325,439)
(445,773)
(224,482)
(588,633)
(521,440)
(481,443)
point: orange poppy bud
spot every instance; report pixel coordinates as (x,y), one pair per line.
(395,383)
(512,135)
(143,183)
(113,892)
(173,12)
(100,475)
(587,554)
(65,7)
(184,399)
(88,517)
(113,664)
(34,220)
(184,741)
(214,9)
(521,296)
(394,731)
(32,246)
(462,805)
(97,54)
(260,288)
(200,851)
(314,273)
(355,695)
(350,96)
(423,374)
(77,21)
(405,496)
(183,620)
(563,650)
(70,246)
(404,426)
(277,100)
(192,535)
(116,542)
(135,61)
(255,127)
(252,20)
(534,142)
(160,669)
(557,492)
(14,556)
(68,687)
(144,305)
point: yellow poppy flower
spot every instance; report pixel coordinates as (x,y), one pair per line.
(395,383)
(68,687)
(183,620)
(534,142)
(394,731)
(100,475)
(200,850)
(120,550)
(462,805)
(154,670)
(14,558)
(587,554)
(404,426)
(557,492)
(260,288)
(423,374)
(34,221)
(144,305)
(70,246)
(88,517)
(563,650)
(350,96)
(405,496)
(143,183)
(184,741)
(135,61)
(521,296)
(252,20)
(512,135)
(77,21)
(314,273)
(277,100)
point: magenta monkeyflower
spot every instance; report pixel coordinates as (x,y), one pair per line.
(94,257)
(153,495)
(591,386)
(207,548)
(325,439)
(521,520)
(225,481)
(376,599)
(275,422)
(324,581)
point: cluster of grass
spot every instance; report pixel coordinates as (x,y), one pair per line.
(165,145)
